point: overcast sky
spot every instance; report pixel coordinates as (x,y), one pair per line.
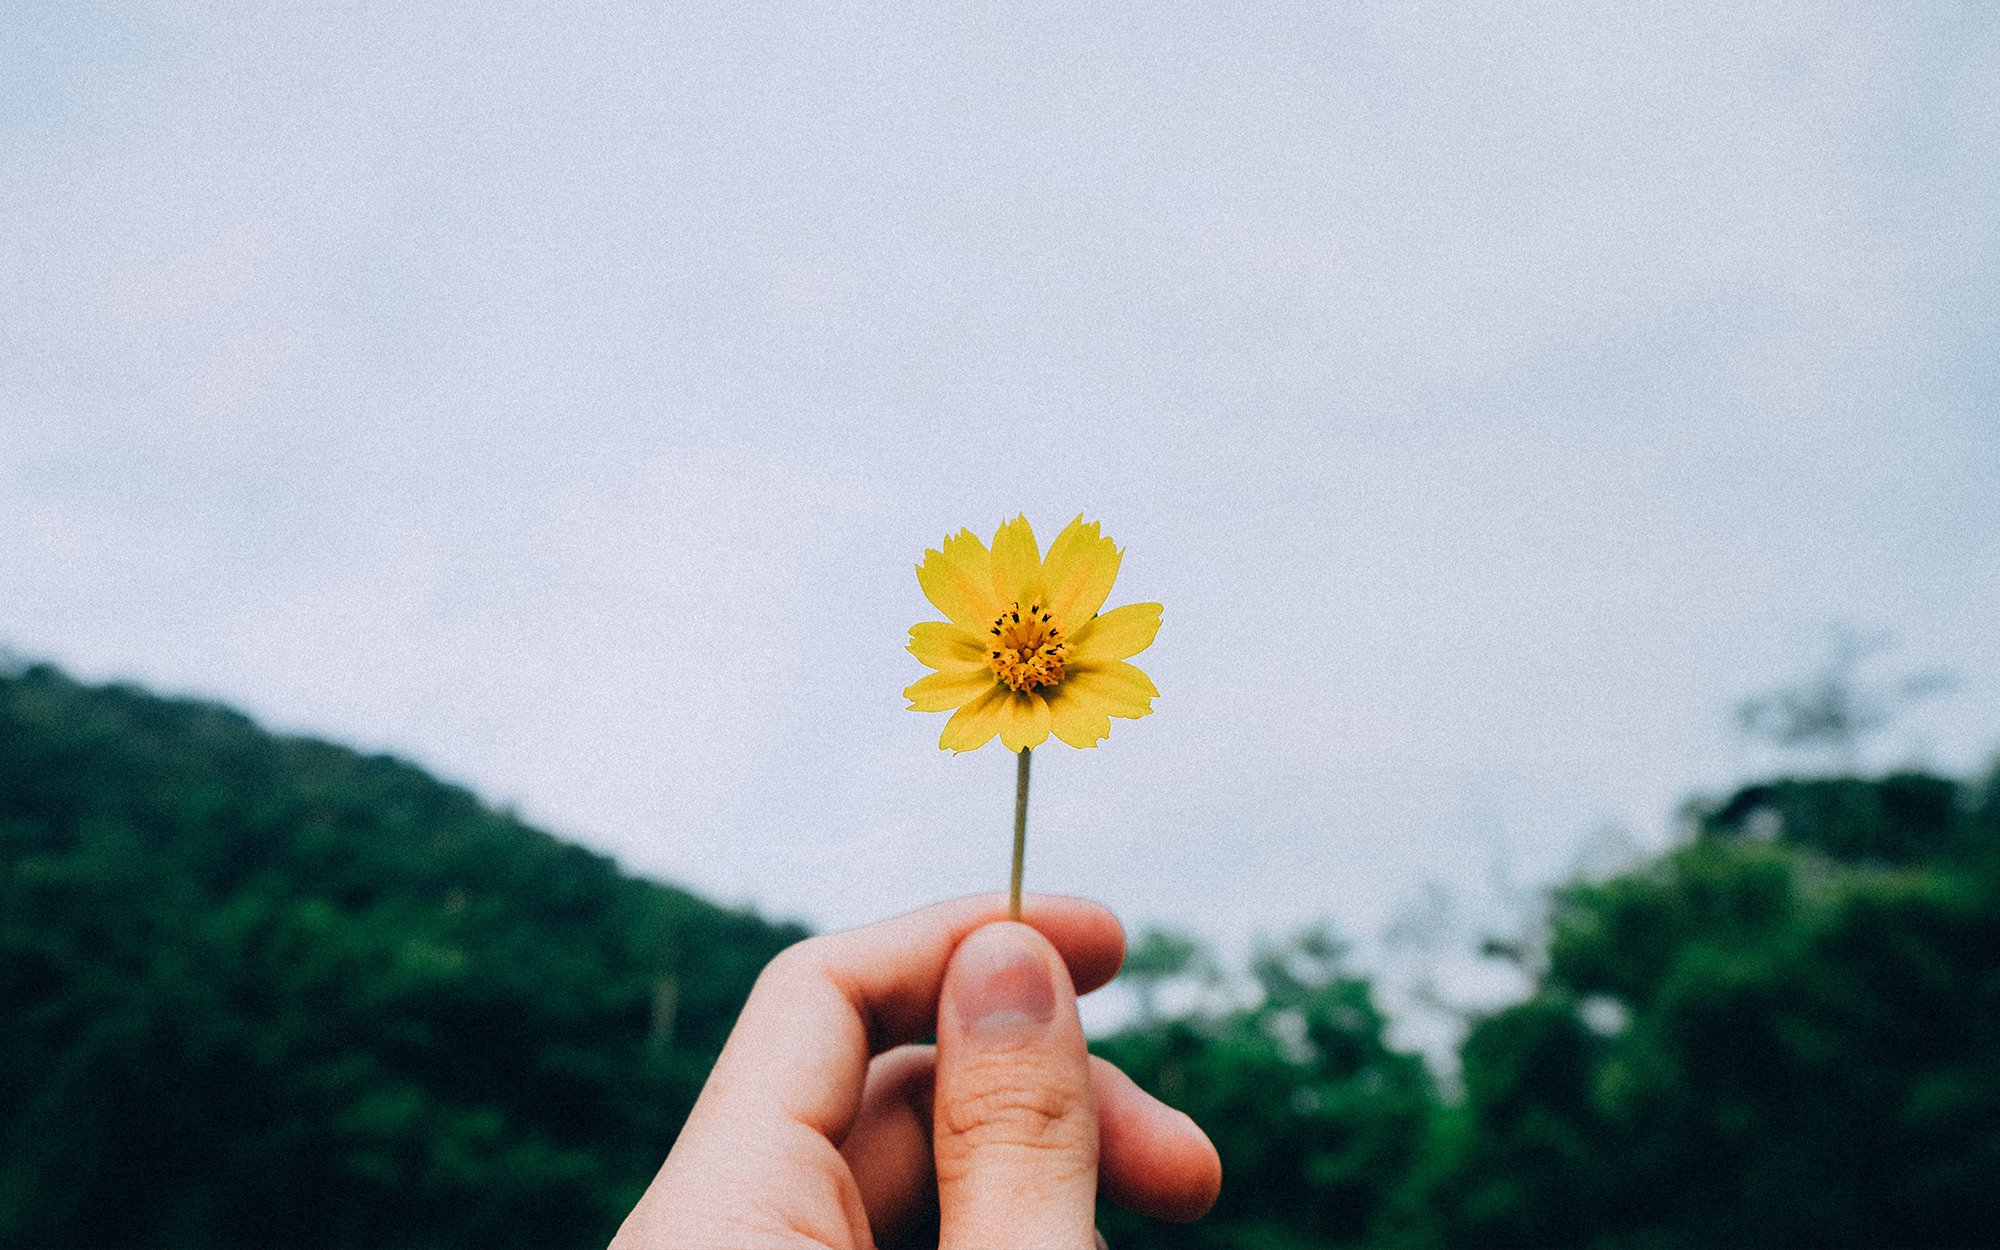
(561,396)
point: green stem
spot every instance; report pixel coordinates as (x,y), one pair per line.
(1020,834)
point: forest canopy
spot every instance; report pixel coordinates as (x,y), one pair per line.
(266,991)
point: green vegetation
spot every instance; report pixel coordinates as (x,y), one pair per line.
(1316,1118)
(267,992)
(260,991)
(1785,1033)
(1796,1039)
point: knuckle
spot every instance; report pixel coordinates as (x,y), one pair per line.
(1020,1116)
(797,962)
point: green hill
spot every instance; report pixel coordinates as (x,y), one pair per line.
(259,991)
(266,991)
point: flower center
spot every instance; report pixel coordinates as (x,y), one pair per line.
(1024,649)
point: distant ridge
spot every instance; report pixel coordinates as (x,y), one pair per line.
(267,991)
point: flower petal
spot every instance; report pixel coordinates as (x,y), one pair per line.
(1024,721)
(1017,565)
(1115,635)
(940,692)
(1077,576)
(947,647)
(1114,686)
(974,725)
(957,576)
(1076,718)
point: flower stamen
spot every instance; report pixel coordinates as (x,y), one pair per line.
(1029,653)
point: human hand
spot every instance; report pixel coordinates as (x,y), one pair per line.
(821,1126)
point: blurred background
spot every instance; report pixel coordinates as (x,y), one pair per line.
(462,468)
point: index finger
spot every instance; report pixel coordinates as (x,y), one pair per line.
(822,1008)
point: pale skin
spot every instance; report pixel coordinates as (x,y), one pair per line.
(824,1125)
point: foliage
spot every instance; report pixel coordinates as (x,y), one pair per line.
(1786,1033)
(264,991)
(1160,957)
(1316,1118)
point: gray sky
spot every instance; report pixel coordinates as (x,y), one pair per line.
(561,396)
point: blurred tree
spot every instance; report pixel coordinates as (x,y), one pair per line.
(1317,1119)
(1159,958)
(1834,708)
(260,991)
(264,991)
(1784,1034)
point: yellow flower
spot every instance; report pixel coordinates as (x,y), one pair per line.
(1024,651)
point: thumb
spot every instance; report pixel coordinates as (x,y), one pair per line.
(1015,1121)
